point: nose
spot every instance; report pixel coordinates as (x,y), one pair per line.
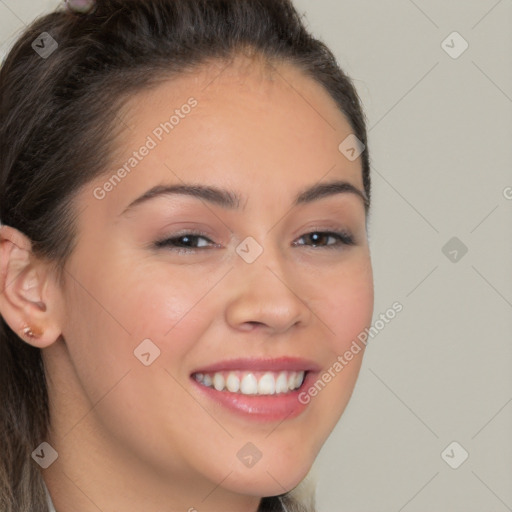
(266,295)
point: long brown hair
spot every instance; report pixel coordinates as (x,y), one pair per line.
(58,125)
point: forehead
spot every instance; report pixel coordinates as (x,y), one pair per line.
(253,125)
(243,91)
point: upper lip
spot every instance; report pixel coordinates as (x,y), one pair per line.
(261,364)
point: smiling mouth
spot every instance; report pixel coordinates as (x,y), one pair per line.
(252,382)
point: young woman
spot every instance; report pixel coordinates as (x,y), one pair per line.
(184,191)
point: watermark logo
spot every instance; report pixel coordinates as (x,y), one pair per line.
(351,147)
(150,143)
(454,249)
(146,352)
(44,45)
(45,455)
(249,250)
(249,455)
(454,45)
(454,455)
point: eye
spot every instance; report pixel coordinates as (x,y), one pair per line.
(186,242)
(318,238)
(191,242)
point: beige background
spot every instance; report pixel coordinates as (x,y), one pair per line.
(441,144)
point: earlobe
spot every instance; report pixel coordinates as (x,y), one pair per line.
(24,302)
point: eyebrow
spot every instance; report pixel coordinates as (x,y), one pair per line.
(230,200)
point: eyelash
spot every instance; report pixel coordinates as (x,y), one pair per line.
(343,239)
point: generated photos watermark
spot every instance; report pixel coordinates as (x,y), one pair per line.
(344,360)
(151,142)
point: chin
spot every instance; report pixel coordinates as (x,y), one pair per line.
(269,479)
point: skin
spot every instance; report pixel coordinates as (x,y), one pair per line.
(132,437)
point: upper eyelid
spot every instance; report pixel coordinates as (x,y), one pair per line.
(304,231)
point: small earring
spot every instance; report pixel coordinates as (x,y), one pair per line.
(27,331)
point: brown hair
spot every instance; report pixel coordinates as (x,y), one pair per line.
(58,127)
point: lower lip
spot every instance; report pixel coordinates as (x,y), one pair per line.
(280,407)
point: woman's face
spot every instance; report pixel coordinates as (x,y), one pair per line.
(259,290)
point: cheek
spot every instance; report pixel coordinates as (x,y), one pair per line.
(108,322)
(347,309)
(172,309)
(347,304)
(112,310)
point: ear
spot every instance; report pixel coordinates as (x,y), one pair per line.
(28,294)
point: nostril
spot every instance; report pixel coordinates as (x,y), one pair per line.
(253,325)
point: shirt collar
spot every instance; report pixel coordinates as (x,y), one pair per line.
(51,508)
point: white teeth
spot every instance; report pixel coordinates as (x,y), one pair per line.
(282,383)
(252,383)
(218,381)
(232,383)
(267,385)
(249,385)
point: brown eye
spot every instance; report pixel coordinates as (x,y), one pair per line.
(186,242)
(321,238)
